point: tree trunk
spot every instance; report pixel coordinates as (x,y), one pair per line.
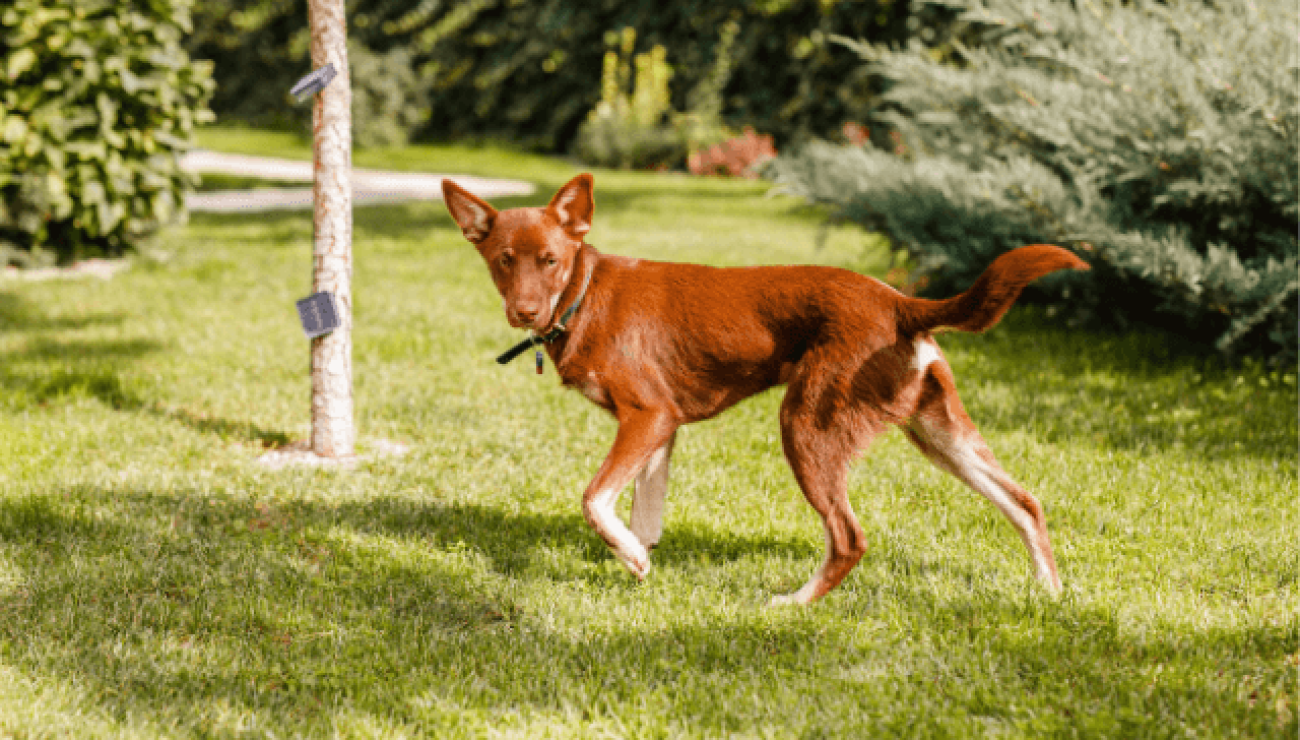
(332,432)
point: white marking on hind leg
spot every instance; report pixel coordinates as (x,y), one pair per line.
(982,476)
(808,592)
(648,501)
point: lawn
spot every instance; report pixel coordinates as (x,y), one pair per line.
(156,582)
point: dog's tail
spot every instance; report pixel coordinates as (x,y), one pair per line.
(992,294)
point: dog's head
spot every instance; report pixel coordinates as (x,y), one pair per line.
(530,251)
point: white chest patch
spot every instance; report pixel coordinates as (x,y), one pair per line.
(592,389)
(926,352)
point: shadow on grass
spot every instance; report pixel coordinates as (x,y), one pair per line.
(510,540)
(182,606)
(107,387)
(17,314)
(1136,391)
(46,370)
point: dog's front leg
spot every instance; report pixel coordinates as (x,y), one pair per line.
(640,435)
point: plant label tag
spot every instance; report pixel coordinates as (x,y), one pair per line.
(319,314)
(313,83)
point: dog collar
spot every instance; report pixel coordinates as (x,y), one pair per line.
(560,327)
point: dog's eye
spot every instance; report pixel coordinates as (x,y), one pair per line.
(504,260)
(552,262)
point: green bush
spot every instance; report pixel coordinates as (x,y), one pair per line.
(623,143)
(387,102)
(99,99)
(630,126)
(634,124)
(262,47)
(1159,140)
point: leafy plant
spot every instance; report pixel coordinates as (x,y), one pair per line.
(702,124)
(638,127)
(388,102)
(735,157)
(1159,140)
(98,100)
(629,127)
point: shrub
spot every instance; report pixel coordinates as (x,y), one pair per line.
(262,47)
(736,157)
(99,99)
(630,125)
(1160,141)
(387,100)
(620,143)
(638,127)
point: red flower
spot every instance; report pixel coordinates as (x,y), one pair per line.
(733,158)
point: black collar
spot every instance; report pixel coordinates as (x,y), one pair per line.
(560,327)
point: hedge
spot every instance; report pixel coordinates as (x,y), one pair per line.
(99,99)
(530,72)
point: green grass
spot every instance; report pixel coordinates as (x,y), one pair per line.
(211,181)
(154,581)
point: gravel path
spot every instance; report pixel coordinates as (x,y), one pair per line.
(368,186)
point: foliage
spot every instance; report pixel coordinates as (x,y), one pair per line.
(736,157)
(387,100)
(629,128)
(1159,140)
(529,71)
(701,125)
(638,128)
(97,100)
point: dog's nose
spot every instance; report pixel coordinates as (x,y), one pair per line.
(526,315)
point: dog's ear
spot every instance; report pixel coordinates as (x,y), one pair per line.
(573,205)
(472,214)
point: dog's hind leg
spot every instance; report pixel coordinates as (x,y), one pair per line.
(819,454)
(947,436)
(639,437)
(647,520)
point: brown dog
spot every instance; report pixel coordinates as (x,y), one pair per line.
(660,345)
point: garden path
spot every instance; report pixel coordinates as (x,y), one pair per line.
(368,186)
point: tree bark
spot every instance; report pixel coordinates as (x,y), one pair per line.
(332,431)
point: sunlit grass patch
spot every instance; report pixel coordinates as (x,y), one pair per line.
(154,581)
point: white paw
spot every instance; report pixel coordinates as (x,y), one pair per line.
(806,595)
(786,600)
(1052,585)
(638,564)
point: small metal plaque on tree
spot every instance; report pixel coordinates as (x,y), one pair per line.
(319,314)
(313,83)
